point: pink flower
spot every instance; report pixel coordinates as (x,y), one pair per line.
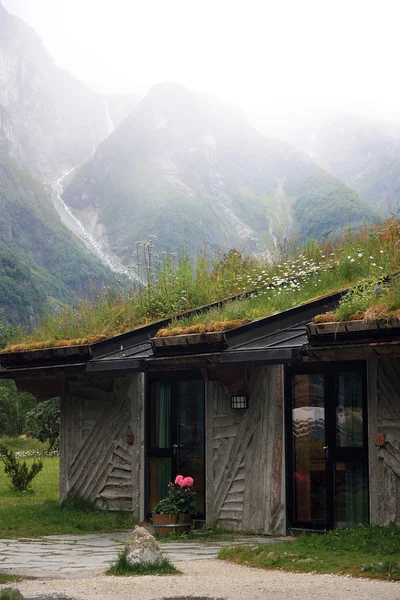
(188,481)
(178,479)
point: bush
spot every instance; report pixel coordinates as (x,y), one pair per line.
(43,422)
(10,594)
(18,471)
(14,406)
(123,568)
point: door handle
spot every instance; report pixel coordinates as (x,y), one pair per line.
(326,448)
(175,447)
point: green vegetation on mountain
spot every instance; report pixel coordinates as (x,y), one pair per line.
(40,262)
(325,206)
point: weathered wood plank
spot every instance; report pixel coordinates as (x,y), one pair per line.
(226,420)
(247,453)
(225,432)
(385,461)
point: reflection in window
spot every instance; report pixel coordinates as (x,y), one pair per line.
(351,494)
(308,416)
(349,416)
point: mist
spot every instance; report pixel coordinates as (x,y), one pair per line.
(276,60)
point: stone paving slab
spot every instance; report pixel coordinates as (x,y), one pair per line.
(72,554)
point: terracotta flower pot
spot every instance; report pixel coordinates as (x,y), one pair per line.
(166,524)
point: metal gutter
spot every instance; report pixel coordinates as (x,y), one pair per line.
(35,370)
(114,365)
(281,355)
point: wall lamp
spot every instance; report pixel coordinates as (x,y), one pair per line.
(239,402)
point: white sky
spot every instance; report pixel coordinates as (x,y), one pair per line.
(272,57)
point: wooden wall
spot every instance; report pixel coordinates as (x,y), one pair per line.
(384,417)
(244,456)
(96,460)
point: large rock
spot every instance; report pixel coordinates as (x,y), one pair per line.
(141,548)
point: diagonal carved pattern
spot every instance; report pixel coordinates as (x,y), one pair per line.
(247,456)
(99,460)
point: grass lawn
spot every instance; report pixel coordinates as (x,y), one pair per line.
(364,551)
(4,578)
(37,512)
(21,444)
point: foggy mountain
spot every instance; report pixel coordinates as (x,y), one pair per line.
(83,176)
(41,262)
(364,153)
(185,166)
(58,120)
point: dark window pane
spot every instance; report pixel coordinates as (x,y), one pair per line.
(308,416)
(191,436)
(351,494)
(349,415)
(160,415)
(159,476)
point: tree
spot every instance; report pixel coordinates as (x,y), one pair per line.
(5,331)
(14,406)
(43,422)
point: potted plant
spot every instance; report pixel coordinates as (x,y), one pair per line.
(173,514)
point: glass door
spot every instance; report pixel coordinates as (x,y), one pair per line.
(327,479)
(350,450)
(309,443)
(175,437)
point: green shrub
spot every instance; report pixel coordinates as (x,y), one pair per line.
(18,471)
(43,422)
(357,300)
(124,568)
(10,594)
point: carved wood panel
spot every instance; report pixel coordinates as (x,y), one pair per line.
(388,457)
(97,462)
(246,474)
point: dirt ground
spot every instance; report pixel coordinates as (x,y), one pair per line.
(213,579)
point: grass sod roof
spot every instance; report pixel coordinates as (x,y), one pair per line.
(369,301)
(176,288)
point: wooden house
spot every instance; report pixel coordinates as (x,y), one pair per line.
(281,423)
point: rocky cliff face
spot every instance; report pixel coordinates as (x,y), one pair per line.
(58,119)
(189,168)
(9,143)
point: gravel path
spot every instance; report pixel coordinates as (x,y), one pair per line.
(215,579)
(80,555)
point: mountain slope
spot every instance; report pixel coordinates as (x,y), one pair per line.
(59,120)
(40,261)
(187,167)
(364,153)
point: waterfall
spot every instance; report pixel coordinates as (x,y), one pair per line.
(110,124)
(77,227)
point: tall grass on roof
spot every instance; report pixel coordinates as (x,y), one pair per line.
(370,300)
(173,283)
